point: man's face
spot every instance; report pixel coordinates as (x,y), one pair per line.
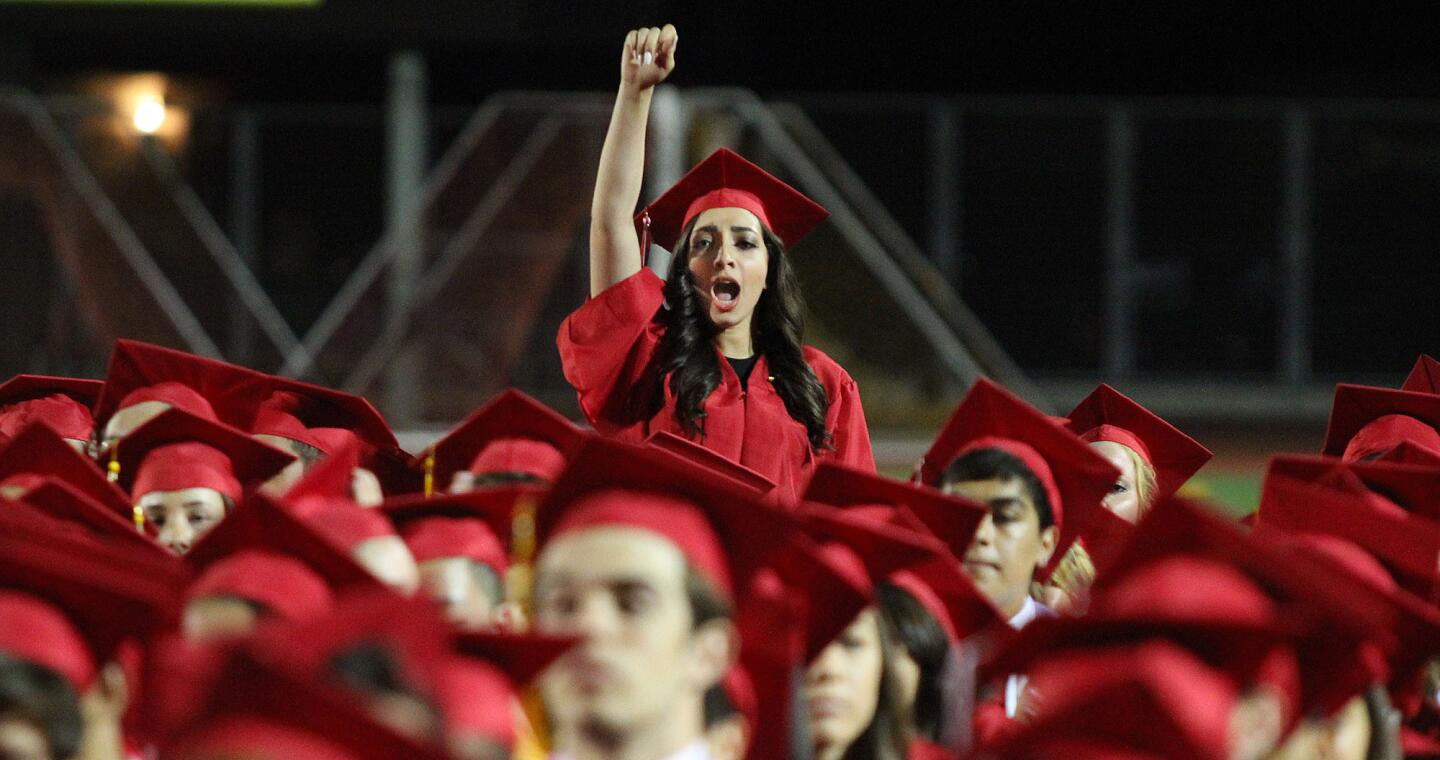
(455,584)
(1009,545)
(623,590)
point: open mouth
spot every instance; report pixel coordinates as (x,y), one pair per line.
(725,294)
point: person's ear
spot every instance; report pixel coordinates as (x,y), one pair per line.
(1049,538)
(714,647)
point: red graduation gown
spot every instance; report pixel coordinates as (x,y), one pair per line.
(608,351)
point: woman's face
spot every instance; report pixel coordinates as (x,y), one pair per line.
(1124,499)
(178,519)
(729,262)
(842,686)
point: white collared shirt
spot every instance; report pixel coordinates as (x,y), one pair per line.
(1015,684)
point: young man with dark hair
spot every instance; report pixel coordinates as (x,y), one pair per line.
(643,558)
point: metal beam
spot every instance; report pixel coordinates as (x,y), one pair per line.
(88,189)
(219,247)
(405,160)
(391,340)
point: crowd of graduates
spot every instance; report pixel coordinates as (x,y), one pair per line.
(200,561)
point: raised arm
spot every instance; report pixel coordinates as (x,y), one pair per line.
(648,57)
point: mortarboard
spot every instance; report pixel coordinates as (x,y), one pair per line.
(410,631)
(510,433)
(725,180)
(721,527)
(1075,476)
(837,574)
(178,450)
(693,452)
(282,585)
(206,387)
(63,403)
(1155,701)
(257,709)
(39,456)
(423,521)
(53,578)
(1344,611)
(483,683)
(1316,495)
(316,406)
(1205,605)
(1366,421)
(1423,378)
(1108,415)
(937,583)
(260,524)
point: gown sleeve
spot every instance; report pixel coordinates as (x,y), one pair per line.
(846,421)
(607,351)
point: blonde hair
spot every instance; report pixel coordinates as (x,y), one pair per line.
(1145,483)
(1075,573)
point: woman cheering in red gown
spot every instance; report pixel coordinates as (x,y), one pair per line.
(714,352)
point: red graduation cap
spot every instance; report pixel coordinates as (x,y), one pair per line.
(510,433)
(326,484)
(704,456)
(63,403)
(202,386)
(104,520)
(316,406)
(937,582)
(1153,701)
(178,450)
(1108,415)
(27,387)
(38,453)
(1406,452)
(68,601)
(1346,612)
(260,524)
(723,528)
(1399,649)
(1076,478)
(411,631)
(1207,606)
(1315,495)
(725,180)
(1423,378)
(1366,421)
(851,554)
(283,586)
(476,524)
(255,708)
(482,684)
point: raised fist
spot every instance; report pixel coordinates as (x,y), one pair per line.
(649,56)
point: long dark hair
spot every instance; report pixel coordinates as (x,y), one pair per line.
(920,634)
(888,735)
(687,355)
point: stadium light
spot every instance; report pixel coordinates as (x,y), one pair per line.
(149,114)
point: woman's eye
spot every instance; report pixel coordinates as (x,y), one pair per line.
(1119,488)
(745,244)
(198,519)
(634,603)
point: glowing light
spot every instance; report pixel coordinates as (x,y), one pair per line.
(149,115)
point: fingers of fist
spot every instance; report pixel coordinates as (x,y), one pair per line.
(652,45)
